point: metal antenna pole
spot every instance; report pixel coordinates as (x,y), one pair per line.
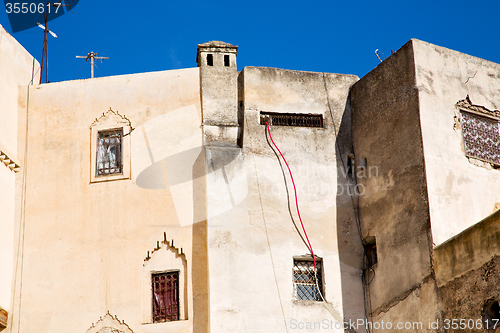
(92,55)
(45,53)
(92,67)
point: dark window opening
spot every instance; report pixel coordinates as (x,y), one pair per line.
(210,60)
(307,286)
(491,314)
(226,60)
(109,152)
(291,119)
(481,137)
(166,297)
(351,164)
(370,246)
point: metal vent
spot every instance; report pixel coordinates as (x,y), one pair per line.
(291,119)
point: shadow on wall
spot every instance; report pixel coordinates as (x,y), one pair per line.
(348,237)
(200,251)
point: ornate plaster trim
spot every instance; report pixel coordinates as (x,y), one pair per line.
(111,117)
(109,324)
(5,159)
(467,105)
(170,246)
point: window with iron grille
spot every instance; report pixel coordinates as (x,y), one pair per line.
(165,296)
(481,137)
(291,119)
(307,286)
(109,152)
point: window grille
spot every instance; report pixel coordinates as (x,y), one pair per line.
(305,284)
(481,137)
(109,152)
(166,296)
(291,119)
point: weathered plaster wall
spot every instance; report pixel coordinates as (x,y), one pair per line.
(16,66)
(465,296)
(219,92)
(85,244)
(468,250)
(460,193)
(467,268)
(253,241)
(394,205)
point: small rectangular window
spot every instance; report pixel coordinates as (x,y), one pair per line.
(481,137)
(109,152)
(351,166)
(307,285)
(210,60)
(165,296)
(370,245)
(226,60)
(291,119)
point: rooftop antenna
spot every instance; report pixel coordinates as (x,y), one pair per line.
(92,55)
(376,53)
(45,54)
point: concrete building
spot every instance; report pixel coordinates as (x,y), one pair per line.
(161,201)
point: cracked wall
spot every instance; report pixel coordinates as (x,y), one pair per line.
(467,268)
(252,244)
(461,192)
(394,208)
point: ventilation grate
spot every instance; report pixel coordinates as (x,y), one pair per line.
(291,119)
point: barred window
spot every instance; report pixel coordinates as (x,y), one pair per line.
(307,285)
(109,152)
(165,296)
(481,137)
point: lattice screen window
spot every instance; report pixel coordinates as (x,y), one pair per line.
(109,152)
(307,286)
(481,137)
(165,296)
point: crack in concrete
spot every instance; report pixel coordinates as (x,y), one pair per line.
(470,77)
(396,300)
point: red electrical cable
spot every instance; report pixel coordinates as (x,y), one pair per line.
(295,190)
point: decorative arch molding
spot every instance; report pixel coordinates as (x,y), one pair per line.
(165,258)
(109,324)
(169,246)
(111,118)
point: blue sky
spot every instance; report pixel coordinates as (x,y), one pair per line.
(324,36)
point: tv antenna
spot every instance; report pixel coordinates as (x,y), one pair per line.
(376,53)
(45,54)
(92,55)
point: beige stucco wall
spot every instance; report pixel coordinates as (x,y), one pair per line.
(460,193)
(85,245)
(394,207)
(16,66)
(252,240)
